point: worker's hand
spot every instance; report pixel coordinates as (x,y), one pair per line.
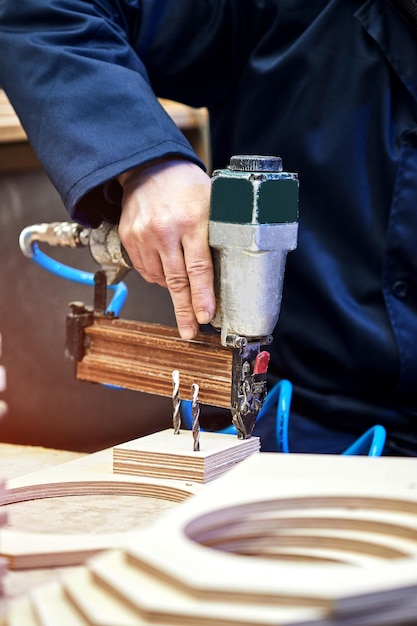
(164,228)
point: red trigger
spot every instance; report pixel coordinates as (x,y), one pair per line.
(261,363)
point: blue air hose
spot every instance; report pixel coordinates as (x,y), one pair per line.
(80,276)
(371,443)
(372,440)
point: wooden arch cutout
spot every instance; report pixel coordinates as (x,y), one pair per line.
(88,476)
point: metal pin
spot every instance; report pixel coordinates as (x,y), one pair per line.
(176,402)
(195,409)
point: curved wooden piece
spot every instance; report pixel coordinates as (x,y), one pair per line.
(87,476)
(170,572)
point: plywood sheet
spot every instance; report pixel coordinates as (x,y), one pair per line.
(21,613)
(52,608)
(90,475)
(279,539)
(168,455)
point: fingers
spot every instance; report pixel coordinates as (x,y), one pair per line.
(145,259)
(189,278)
(199,268)
(164,228)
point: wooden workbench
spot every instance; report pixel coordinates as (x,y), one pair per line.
(73,514)
(337,548)
(17,461)
(15,150)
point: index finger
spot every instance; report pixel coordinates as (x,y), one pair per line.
(199,267)
(178,284)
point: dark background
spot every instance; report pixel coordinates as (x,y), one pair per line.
(47,406)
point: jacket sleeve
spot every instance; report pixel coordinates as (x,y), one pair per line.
(73,72)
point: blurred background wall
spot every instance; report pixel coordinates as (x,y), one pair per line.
(47,406)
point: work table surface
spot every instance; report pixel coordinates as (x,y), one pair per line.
(17,461)
(70,514)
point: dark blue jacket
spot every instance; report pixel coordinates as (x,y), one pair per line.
(328,85)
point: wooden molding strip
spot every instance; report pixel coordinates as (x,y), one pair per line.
(142,357)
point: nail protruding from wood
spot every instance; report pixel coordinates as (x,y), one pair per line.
(176,402)
(195,410)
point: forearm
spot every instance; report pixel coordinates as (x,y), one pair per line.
(83,96)
(83,76)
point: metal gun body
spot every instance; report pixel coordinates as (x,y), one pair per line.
(253,225)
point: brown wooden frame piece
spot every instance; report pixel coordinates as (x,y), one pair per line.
(141,356)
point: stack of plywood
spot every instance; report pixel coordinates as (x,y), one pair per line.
(165,455)
(280,539)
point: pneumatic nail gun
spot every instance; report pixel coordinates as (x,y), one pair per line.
(253,225)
